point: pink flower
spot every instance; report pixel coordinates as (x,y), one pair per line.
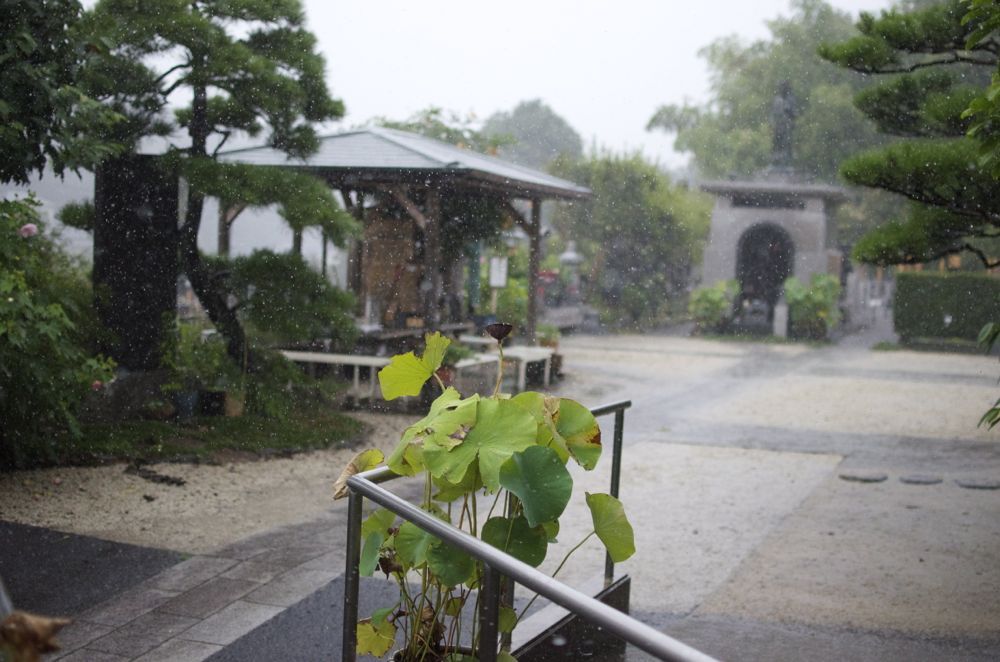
(96,386)
(28,230)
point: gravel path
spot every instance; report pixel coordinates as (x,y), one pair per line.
(219,504)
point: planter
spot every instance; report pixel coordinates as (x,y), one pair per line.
(438,655)
(235,403)
(186,404)
(212,403)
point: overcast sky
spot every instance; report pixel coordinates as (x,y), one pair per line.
(604,65)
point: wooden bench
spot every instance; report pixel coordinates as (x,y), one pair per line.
(357,360)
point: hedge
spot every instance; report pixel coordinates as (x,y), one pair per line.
(956,305)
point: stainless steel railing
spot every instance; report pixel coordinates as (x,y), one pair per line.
(497,565)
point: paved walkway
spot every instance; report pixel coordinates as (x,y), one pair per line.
(752,543)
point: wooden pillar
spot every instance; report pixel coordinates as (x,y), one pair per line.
(355,247)
(432,258)
(534,266)
(324,239)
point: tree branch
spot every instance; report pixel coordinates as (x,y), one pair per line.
(951,58)
(176,67)
(218,148)
(978,252)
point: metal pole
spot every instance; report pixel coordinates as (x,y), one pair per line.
(352,577)
(489,614)
(616,475)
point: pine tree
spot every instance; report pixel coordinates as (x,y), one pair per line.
(239,67)
(931,70)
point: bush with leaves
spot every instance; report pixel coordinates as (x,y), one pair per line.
(712,307)
(45,367)
(812,310)
(284,300)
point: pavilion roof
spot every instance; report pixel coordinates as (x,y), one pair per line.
(380,155)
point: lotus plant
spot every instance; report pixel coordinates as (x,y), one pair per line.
(508,452)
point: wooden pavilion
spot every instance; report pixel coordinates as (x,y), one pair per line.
(393,182)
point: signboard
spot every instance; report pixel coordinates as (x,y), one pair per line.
(498,272)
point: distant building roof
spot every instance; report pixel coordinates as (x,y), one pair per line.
(772,187)
(381,155)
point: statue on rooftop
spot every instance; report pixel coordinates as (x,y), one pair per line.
(784,110)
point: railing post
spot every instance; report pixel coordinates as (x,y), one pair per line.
(489,614)
(616,474)
(352,577)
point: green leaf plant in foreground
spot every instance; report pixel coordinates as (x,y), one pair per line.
(494,467)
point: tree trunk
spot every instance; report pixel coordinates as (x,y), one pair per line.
(203,281)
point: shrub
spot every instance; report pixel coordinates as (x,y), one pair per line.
(711,307)
(812,311)
(284,300)
(45,368)
(956,305)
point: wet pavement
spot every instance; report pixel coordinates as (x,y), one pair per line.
(754,543)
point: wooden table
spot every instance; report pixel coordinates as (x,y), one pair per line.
(526,355)
(357,360)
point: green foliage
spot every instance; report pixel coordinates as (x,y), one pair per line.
(732,134)
(200,439)
(284,300)
(930,72)
(641,235)
(956,305)
(475,450)
(448,127)
(196,74)
(44,115)
(303,200)
(712,307)
(812,311)
(984,111)
(406,374)
(988,337)
(197,363)
(46,369)
(538,135)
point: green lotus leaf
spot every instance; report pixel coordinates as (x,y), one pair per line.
(369,554)
(374,532)
(551,530)
(507,620)
(517,538)
(375,639)
(412,544)
(612,526)
(435,346)
(540,480)
(448,491)
(537,405)
(454,606)
(450,565)
(449,414)
(577,429)
(406,374)
(502,428)
(380,521)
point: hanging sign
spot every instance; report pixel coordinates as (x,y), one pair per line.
(498,272)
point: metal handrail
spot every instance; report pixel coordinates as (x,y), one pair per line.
(497,564)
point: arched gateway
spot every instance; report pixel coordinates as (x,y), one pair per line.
(766,230)
(764,259)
